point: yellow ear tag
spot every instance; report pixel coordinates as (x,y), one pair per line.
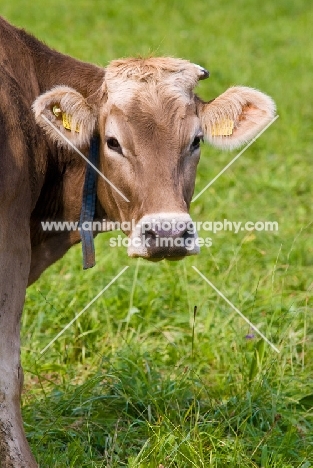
(223,128)
(66,120)
(57,111)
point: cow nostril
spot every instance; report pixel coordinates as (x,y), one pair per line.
(149,233)
(187,234)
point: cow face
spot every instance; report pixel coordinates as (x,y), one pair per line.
(151,125)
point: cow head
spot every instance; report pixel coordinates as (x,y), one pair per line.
(151,125)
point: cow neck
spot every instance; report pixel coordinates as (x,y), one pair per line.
(53,68)
(89,205)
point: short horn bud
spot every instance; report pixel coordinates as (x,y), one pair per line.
(202,72)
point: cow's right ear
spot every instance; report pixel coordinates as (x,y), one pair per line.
(64,112)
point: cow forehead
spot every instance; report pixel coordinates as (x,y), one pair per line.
(127,78)
(151,124)
(156,68)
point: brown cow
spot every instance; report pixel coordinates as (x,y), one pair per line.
(150,124)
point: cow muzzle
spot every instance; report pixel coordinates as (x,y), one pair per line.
(164,235)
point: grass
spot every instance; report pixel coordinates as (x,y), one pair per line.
(138,381)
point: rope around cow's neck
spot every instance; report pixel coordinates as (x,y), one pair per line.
(89,206)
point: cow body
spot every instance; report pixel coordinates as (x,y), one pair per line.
(53,177)
(150,125)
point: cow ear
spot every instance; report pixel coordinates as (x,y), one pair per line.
(63,111)
(235,117)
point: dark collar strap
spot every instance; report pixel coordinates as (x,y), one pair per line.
(89,206)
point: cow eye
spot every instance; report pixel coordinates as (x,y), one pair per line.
(196,143)
(114,145)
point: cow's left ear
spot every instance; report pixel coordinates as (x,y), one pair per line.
(235,117)
(64,111)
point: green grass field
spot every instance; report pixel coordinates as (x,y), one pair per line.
(138,380)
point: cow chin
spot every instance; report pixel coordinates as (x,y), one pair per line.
(159,236)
